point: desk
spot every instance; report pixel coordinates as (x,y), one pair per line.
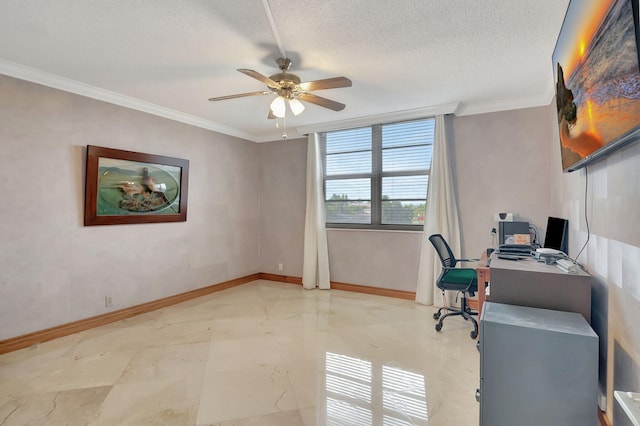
(483,279)
(528,282)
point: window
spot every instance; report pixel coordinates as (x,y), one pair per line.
(377,177)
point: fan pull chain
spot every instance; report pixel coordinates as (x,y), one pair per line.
(284,128)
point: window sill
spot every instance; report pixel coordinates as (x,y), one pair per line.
(402,231)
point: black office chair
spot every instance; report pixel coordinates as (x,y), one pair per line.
(464,280)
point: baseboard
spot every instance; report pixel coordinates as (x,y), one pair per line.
(603,420)
(280,278)
(387,292)
(26,340)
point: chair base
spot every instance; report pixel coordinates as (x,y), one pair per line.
(464,311)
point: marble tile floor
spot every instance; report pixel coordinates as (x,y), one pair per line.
(261,354)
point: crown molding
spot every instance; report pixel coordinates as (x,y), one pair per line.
(457,108)
(506,105)
(411,114)
(34,75)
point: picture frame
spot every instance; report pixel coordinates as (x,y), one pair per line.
(126,187)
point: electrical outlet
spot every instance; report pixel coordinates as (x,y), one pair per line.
(280,266)
(108,301)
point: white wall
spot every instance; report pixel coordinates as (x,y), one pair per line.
(53,270)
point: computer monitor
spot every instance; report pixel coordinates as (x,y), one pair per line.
(506,231)
(557,235)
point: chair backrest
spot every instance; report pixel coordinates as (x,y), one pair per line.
(444,251)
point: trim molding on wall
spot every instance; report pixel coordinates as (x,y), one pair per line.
(26,340)
(411,114)
(281,278)
(356,288)
(377,291)
(543,99)
(34,75)
(603,420)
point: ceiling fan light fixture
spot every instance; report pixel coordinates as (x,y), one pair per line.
(278,107)
(296,106)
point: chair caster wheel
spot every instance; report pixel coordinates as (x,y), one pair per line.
(438,327)
(436,316)
(474,334)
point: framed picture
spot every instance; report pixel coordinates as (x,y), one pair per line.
(125,187)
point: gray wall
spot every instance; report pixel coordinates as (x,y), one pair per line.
(501,163)
(283,170)
(612,255)
(383,259)
(54,270)
(374,258)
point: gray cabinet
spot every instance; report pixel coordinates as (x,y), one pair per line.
(537,367)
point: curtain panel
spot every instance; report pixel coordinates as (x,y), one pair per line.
(315,268)
(441,217)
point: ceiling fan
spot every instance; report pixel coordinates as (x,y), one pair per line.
(288,87)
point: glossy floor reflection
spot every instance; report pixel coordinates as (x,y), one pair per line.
(264,353)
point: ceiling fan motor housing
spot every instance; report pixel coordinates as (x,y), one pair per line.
(285,78)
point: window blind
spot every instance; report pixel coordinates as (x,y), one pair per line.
(378,176)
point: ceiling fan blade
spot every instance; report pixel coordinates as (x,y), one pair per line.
(323,102)
(263,78)
(327,83)
(271,115)
(239,95)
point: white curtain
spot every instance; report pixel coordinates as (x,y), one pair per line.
(315,269)
(441,218)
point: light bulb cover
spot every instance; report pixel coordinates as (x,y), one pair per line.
(278,107)
(296,106)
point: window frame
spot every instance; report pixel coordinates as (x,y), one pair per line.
(376,176)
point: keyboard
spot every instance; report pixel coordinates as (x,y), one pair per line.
(521,249)
(511,256)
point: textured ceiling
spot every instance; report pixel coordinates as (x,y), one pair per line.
(400,54)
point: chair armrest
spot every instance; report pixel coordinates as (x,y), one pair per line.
(468,260)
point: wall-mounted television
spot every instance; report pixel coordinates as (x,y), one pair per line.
(597,77)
